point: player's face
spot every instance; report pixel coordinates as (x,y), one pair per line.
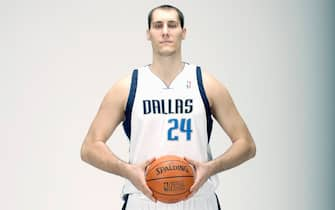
(165,33)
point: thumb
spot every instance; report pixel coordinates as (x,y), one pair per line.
(148,162)
(190,161)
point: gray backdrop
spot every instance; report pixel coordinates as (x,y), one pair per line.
(59,58)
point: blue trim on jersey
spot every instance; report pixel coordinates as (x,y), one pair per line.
(206,103)
(130,103)
(218,202)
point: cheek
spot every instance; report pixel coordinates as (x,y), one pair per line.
(180,38)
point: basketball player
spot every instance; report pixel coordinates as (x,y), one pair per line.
(167,108)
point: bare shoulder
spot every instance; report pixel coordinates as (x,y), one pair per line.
(119,91)
(215,90)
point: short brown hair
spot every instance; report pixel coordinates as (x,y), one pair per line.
(166,6)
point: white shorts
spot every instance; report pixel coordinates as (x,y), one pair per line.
(141,202)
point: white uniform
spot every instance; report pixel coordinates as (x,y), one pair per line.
(174,120)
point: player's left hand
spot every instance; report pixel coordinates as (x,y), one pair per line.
(202,173)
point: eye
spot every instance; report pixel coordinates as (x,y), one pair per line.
(172,25)
(157,25)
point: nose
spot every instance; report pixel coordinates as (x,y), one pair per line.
(165,29)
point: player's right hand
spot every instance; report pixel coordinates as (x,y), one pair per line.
(136,175)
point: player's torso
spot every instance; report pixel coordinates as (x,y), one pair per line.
(168,120)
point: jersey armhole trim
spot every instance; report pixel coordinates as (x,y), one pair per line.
(206,103)
(130,103)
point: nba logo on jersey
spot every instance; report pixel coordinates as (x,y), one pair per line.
(188,84)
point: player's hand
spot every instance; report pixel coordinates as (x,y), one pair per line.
(136,176)
(202,173)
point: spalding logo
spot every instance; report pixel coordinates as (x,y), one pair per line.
(164,169)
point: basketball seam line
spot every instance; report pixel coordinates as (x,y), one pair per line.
(166,194)
(148,180)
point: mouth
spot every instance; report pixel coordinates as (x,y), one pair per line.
(166,42)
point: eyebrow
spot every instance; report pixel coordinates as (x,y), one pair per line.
(159,21)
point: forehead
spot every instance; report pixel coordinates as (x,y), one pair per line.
(165,15)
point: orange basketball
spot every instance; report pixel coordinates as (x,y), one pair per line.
(170,178)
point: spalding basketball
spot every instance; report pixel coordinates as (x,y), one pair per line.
(170,178)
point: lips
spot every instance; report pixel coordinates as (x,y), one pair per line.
(166,42)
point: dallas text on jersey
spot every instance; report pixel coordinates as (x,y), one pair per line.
(169,106)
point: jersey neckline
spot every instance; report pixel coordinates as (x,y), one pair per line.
(170,86)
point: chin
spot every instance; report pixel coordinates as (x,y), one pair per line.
(166,52)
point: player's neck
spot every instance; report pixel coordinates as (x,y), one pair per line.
(167,67)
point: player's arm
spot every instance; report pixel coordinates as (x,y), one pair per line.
(226,114)
(94,149)
(110,114)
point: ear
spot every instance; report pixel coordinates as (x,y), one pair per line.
(148,35)
(183,33)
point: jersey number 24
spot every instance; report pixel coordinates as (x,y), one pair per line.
(183,125)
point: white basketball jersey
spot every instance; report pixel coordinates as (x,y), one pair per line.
(174,120)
